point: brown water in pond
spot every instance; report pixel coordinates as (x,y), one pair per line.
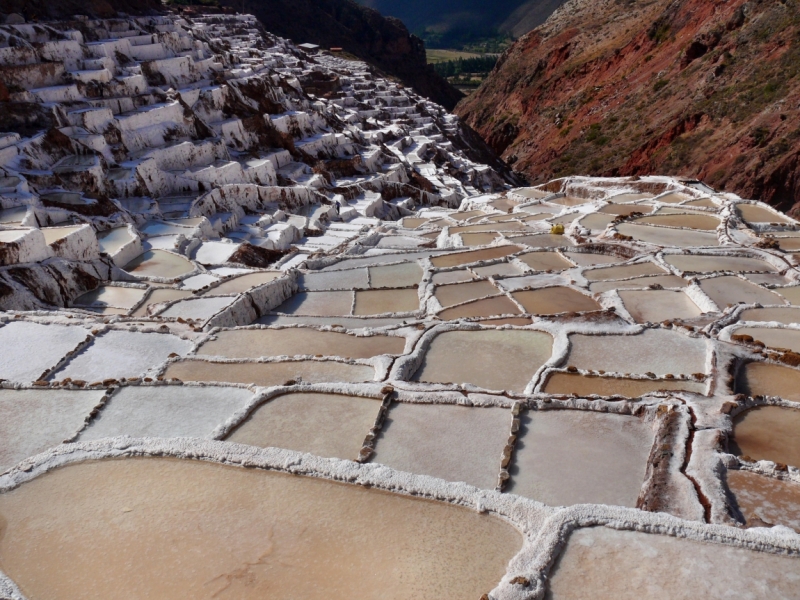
(402,275)
(630,565)
(637,270)
(557,458)
(778,315)
(463,258)
(753,213)
(448,295)
(499,269)
(243,283)
(589,259)
(413,223)
(570,201)
(493,359)
(538,217)
(768,433)
(566,220)
(788,339)
(789,243)
(329,425)
(791,294)
(270,374)
(158,296)
(479,239)
(702,203)
(112,240)
(596,221)
(440,440)
(159,263)
(707,264)
(499,305)
(111,296)
(585,385)
(503,204)
(510,226)
(702,222)
(554,300)
(658,305)
(664,236)
(516,321)
(377,302)
(729,289)
(674,198)
(640,353)
(169,529)
(666,281)
(625,209)
(323,304)
(544,240)
(52,234)
(462,216)
(452,277)
(546,261)
(625,198)
(762,379)
(764,501)
(532,193)
(255,343)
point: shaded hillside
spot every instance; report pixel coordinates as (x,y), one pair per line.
(64,9)
(687,87)
(364,32)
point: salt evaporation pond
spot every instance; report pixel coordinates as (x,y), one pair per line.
(498,270)
(623,272)
(729,290)
(784,339)
(463,258)
(589,259)
(665,281)
(159,263)
(545,261)
(450,295)
(456,443)
(46,346)
(764,501)
(641,353)
(243,283)
(330,425)
(752,213)
(269,374)
(108,295)
(665,236)
(658,305)
(768,433)
(497,305)
(763,379)
(555,461)
(255,343)
(393,276)
(629,565)
(787,316)
(482,358)
(158,296)
(379,302)
(174,529)
(691,221)
(554,300)
(112,240)
(586,385)
(698,263)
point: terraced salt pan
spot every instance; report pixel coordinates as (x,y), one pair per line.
(463,258)
(596,221)
(664,236)
(786,316)
(569,201)
(109,295)
(653,306)
(767,279)
(696,263)
(752,213)
(674,198)
(763,379)
(665,281)
(243,283)
(764,501)
(159,263)
(625,198)
(329,425)
(482,358)
(256,343)
(327,304)
(449,295)
(497,305)
(335,280)
(629,565)
(788,339)
(198,308)
(640,353)
(791,294)
(116,354)
(545,261)
(394,276)
(113,240)
(171,529)
(478,239)
(543,240)
(623,272)
(452,277)
(455,443)
(554,300)
(729,289)
(159,295)
(590,259)
(482,228)
(702,222)
(768,433)
(28,350)
(585,385)
(166,411)
(555,460)
(348,322)
(31,421)
(269,374)
(498,270)
(378,302)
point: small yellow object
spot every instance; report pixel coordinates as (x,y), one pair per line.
(557,229)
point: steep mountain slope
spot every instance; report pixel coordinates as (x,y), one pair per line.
(693,87)
(64,9)
(362,31)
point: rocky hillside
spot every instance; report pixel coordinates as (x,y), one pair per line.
(382,41)
(41,10)
(624,87)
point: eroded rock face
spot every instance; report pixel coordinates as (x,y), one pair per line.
(681,88)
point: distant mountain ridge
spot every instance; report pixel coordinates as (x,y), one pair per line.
(628,87)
